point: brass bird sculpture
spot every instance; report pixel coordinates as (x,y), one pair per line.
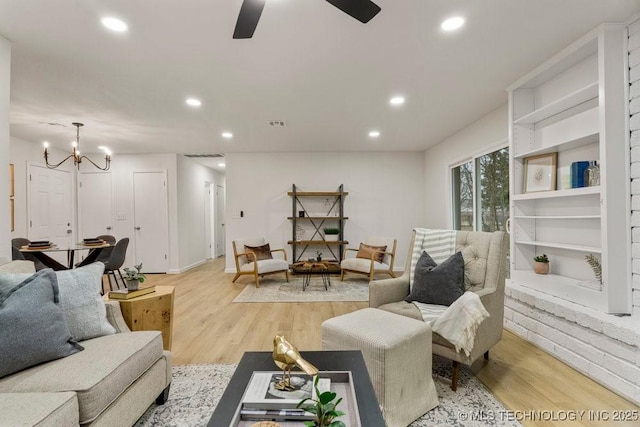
(286,356)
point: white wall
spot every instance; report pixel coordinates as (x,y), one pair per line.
(386,194)
(5,213)
(192,177)
(634,121)
(21,154)
(488,132)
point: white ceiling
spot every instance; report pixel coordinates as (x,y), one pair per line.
(328,76)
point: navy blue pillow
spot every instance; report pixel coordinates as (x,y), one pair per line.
(438,284)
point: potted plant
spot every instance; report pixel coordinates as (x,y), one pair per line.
(323,407)
(541,264)
(133,277)
(331,234)
(318,256)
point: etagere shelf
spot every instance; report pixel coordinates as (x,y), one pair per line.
(305,207)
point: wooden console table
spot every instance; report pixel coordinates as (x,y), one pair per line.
(151,312)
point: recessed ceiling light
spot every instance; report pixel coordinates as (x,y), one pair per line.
(397,100)
(374,134)
(452,24)
(221,165)
(227,135)
(194,102)
(114,24)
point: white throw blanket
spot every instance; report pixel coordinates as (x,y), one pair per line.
(459,322)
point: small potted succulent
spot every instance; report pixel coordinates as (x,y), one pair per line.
(323,407)
(331,234)
(133,277)
(541,264)
(318,256)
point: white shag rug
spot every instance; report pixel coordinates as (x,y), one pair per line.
(196,390)
(278,290)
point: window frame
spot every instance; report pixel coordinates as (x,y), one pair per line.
(473,158)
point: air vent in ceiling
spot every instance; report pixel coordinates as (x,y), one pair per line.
(277,123)
(206,156)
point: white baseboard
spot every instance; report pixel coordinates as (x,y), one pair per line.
(187,268)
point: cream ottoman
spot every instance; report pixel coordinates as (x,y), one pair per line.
(397,352)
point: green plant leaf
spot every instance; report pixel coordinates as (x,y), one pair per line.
(337,424)
(327,397)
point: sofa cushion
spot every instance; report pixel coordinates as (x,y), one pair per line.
(367,251)
(33,326)
(38,409)
(361,264)
(80,300)
(98,375)
(18,266)
(438,284)
(267,266)
(260,252)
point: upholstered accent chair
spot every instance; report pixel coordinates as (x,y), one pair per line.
(377,261)
(485,256)
(253,256)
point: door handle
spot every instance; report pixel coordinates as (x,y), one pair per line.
(137,228)
(109,227)
(68,231)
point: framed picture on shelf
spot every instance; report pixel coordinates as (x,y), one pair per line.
(540,173)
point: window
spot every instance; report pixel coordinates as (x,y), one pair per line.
(481,192)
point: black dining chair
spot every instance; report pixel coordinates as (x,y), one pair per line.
(105,253)
(115,262)
(19,242)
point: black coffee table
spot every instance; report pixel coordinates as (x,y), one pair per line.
(370,415)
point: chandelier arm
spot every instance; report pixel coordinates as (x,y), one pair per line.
(51,166)
(105,168)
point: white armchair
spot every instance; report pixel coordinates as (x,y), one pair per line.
(376,261)
(254,256)
(484,257)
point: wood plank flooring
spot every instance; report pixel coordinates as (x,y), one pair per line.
(209,328)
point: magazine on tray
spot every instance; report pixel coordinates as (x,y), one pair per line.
(261,393)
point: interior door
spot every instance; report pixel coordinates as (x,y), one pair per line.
(50,209)
(150,221)
(95,204)
(220,231)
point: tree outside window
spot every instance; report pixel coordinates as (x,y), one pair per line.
(481,192)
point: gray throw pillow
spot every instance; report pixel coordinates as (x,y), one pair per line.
(80,300)
(438,284)
(33,327)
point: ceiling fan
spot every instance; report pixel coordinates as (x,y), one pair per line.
(250,11)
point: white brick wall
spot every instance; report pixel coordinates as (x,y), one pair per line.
(634,124)
(606,348)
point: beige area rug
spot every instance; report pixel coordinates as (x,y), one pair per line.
(275,289)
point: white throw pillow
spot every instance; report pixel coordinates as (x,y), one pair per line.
(80,300)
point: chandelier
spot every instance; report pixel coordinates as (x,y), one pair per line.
(75,155)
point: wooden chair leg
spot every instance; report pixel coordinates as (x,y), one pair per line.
(454,375)
(371,275)
(257,279)
(486,355)
(392,274)
(286,273)
(235,278)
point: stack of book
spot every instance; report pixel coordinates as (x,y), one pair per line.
(127,294)
(577,174)
(39,244)
(262,401)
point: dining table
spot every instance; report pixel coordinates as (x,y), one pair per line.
(41,253)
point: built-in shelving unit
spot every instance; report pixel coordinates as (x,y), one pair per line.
(306,219)
(573,105)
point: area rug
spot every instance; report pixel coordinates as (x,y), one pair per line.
(278,290)
(196,390)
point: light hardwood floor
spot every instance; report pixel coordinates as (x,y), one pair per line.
(209,328)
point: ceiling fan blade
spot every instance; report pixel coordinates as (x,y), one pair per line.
(248,18)
(362,10)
